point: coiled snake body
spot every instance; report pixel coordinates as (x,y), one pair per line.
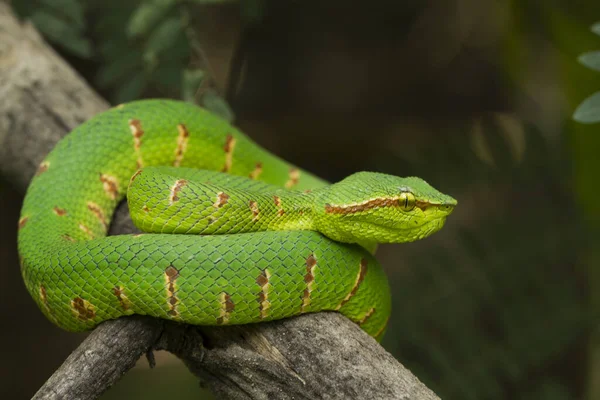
(263,259)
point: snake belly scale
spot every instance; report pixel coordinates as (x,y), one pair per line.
(80,277)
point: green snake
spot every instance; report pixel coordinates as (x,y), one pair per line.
(237,235)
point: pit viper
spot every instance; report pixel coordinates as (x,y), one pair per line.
(236,235)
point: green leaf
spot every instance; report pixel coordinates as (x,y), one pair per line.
(131,90)
(72,10)
(596,28)
(167,77)
(164,36)
(588,111)
(217,105)
(148,14)
(191,81)
(61,33)
(590,59)
(113,71)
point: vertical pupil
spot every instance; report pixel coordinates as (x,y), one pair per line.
(406,201)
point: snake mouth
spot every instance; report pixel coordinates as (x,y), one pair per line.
(387,233)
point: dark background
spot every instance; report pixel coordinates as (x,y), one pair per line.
(475,96)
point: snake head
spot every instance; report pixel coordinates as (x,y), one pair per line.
(370,206)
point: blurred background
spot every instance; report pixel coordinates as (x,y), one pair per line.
(475,96)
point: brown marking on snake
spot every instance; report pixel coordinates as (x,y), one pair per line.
(227,308)
(371,204)
(145,208)
(309,279)
(97,211)
(137,173)
(228,148)
(61,212)
(222,199)
(382,329)
(68,238)
(110,185)
(136,235)
(263,296)
(359,278)
(255,211)
(44,299)
(87,230)
(136,130)
(171,275)
(43,167)
(119,292)
(83,308)
(366,316)
(294,177)
(280,210)
(175,189)
(44,296)
(182,142)
(258,168)
(23,221)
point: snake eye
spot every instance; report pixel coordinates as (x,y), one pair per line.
(407,201)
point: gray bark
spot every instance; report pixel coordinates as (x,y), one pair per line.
(313,356)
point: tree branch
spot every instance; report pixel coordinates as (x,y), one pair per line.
(313,356)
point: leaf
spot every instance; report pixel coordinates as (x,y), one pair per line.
(167,77)
(191,80)
(147,15)
(61,33)
(588,111)
(596,28)
(217,105)
(112,71)
(590,59)
(132,89)
(164,36)
(72,10)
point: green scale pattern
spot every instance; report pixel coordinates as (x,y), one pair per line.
(80,278)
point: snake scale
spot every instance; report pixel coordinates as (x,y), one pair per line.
(237,234)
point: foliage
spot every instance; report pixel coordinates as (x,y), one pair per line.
(140,47)
(485,319)
(589,110)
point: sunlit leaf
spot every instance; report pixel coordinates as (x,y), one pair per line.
(148,14)
(591,60)
(589,110)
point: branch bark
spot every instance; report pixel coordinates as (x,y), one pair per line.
(313,356)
